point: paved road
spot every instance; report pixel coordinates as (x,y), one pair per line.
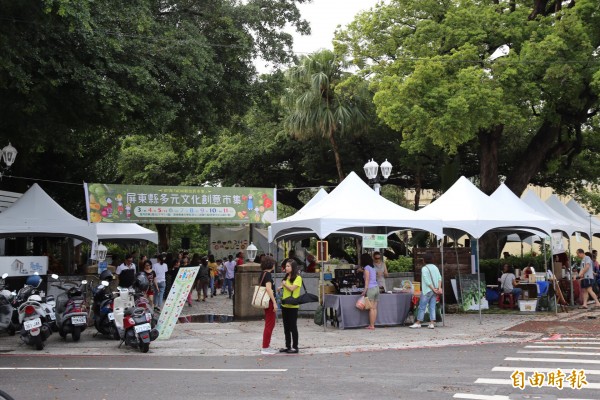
(464,372)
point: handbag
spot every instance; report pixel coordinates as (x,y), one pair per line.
(260,298)
(302,299)
(363,303)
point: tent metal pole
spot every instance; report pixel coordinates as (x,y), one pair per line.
(570,276)
(478,280)
(443,283)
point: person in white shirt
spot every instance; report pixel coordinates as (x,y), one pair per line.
(230,265)
(160,268)
(126,272)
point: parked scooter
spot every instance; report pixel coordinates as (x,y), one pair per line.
(6,308)
(134,323)
(71,310)
(104,319)
(34,326)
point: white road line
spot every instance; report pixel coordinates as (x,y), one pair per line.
(480,396)
(564,346)
(142,369)
(554,360)
(572,338)
(541,369)
(490,381)
(571,353)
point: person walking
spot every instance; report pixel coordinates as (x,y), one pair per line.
(230,274)
(381,270)
(290,284)
(152,286)
(267,265)
(213,267)
(160,269)
(203,280)
(371,291)
(431,286)
(586,274)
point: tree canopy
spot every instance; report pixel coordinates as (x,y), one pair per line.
(440,79)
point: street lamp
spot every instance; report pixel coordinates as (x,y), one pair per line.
(251,252)
(7,156)
(371,170)
(101,252)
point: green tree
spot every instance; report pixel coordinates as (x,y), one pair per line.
(524,115)
(319,103)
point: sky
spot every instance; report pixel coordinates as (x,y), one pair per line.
(324,16)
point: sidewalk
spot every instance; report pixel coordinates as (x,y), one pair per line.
(244,338)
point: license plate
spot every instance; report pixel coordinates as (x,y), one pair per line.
(142,328)
(148,317)
(81,320)
(111,316)
(52,315)
(32,323)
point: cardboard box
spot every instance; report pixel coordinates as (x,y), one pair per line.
(528,305)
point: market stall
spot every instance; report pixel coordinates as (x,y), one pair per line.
(392,309)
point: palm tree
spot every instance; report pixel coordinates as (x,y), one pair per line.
(317,104)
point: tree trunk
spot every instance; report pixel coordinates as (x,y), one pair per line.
(488,162)
(417,190)
(336,153)
(163,237)
(488,171)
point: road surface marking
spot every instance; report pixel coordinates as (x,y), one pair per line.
(141,369)
(555,360)
(571,353)
(510,382)
(562,346)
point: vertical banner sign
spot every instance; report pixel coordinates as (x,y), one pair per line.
(322,251)
(175,301)
(179,204)
(102,266)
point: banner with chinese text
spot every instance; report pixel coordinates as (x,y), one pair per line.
(179,204)
(173,306)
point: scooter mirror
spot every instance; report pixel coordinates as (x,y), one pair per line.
(54,276)
(84,282)
(104,283)
(4,275)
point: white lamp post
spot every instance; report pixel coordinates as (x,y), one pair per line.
(7,156)
(371,170)
(251,252)
(101,252)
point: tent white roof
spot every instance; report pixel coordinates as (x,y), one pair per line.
(559,222)
(583,225)
(37,214)
(353,207)
(577,209)
(467,209)
(124,231)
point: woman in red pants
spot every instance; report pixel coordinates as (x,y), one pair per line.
(267,265)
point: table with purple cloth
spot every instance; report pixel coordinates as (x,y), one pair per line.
(392,309)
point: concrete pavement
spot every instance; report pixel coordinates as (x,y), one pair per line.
(244,338)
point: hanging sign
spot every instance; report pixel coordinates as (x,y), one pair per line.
(375,241)
(179,204)
(175,301)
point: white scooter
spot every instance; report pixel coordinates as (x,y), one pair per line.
(34,326)
(6,308)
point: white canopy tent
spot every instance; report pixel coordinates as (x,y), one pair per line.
(583,225)
(37,214)
(124,231)
(353,207)
(559,222)
(577,209)
(465,209)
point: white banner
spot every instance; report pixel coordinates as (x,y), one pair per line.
(23,265)
(175,301)
(225,241)
(557,243)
